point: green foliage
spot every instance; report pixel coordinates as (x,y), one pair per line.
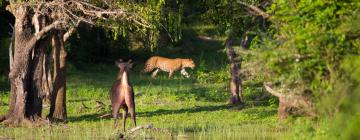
(231,15)
(162,16)
(93,45)
(307,46)
(312,50)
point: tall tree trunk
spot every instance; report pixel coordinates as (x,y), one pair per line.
(235,66)
(11,47)
(25,75)
(34,102)
(246,40)
(20,73)
(58,96)
(47,79)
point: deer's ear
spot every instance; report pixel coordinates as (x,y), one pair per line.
(117,62)
(130,61)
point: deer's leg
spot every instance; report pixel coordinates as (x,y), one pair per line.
(183,72)
(124,116)
(130,102)
(171,73)
(116,114)
(154,73)
(133,115)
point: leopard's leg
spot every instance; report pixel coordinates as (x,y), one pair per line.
(171,73)
(154,73)
(183,72)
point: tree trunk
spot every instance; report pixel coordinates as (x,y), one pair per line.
(20,73)
(235,66)
(47,79)
(34,102)
(246,40)
(58,96)
(26,71)
(11,48)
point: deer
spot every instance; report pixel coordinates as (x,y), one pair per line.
(122,94)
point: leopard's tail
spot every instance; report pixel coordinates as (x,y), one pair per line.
(150,64)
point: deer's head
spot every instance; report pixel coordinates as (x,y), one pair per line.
(124,66)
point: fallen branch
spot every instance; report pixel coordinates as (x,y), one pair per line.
(149,126)
(105,115)
(273,92)
(141,127)
(5,138)
(292,104)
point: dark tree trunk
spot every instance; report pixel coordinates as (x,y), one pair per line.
(35,101)
(25,75)
(235,66)
(58,96)
(246,40)
(19,74)
(47,79)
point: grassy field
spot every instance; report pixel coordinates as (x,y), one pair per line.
(179,108)
(185,108)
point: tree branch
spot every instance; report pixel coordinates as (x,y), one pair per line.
(273,92)
(255,9)
(41,33)
(70,31)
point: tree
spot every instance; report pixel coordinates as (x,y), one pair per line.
(302,55)
(58,95)
(37,22)
(240,20)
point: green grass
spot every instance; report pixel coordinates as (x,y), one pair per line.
(185,108)
(181,108)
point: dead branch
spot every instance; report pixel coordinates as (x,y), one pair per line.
(5,138)
(255,9)
(70,32)
(149,126)
(71,12)
(273,92)
(292,104)
(107,115)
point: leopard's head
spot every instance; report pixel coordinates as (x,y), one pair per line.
(188,63)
